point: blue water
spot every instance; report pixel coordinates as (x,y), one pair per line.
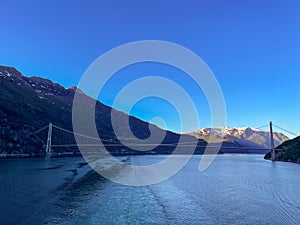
(236,189)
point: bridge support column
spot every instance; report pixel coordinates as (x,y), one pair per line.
(273,155)
(48,146)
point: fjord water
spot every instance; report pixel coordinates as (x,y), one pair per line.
(236,189)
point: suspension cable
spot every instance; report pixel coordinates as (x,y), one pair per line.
(82,135)
(285,130)
(41,129)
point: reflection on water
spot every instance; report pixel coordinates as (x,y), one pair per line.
(236,189)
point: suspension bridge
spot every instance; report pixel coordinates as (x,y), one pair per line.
(112,143)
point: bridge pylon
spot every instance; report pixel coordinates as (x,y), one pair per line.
(273,155)
(48,146)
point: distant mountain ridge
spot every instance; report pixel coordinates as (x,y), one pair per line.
(244,137)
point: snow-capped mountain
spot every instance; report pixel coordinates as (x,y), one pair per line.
(246,136)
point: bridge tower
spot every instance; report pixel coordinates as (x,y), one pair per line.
(48,146)
(273,155)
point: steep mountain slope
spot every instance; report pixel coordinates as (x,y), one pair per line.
(29,103)
(243,137)
(290,151)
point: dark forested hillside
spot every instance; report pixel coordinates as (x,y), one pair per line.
(30,103)
(290,151)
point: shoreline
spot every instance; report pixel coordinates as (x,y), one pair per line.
(67,154)
(288,161)
(20,155)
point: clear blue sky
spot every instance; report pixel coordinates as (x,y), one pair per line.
(253,48)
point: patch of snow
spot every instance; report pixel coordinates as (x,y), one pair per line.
(7,74)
